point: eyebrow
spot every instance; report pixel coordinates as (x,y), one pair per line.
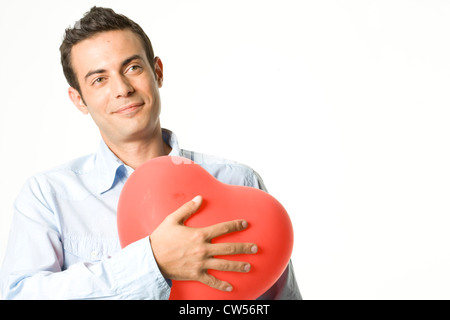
(124,63)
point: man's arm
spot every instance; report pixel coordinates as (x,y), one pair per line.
(33,264)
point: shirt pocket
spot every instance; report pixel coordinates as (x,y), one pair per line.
(88,249)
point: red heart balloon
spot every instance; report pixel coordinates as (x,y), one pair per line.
(162,185)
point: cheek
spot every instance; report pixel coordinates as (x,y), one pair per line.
(97,100)
(150,90)
(156,105)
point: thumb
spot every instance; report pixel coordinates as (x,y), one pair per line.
(187,210)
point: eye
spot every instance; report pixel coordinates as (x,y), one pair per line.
(134,68)
(98,80)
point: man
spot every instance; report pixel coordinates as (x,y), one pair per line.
(63,242)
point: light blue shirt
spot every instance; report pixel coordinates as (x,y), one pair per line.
(64,244)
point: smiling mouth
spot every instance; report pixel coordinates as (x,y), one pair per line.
(129,109)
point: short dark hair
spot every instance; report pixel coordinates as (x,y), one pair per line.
(94,21)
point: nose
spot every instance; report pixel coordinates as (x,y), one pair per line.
(122,87)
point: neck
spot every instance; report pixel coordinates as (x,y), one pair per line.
(135,153)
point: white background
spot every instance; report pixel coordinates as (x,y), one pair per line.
(341,106)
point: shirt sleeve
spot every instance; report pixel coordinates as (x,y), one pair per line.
(32,267)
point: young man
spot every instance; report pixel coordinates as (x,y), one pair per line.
(63,242)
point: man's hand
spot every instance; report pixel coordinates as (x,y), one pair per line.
(185,253)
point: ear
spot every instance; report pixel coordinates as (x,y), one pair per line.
(158,71)
(77,100)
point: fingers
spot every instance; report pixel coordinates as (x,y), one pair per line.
(223,228)
(222,265)
(189,208)
(225,249)
(186,210)
(215,283)
(199,253)
(228,265)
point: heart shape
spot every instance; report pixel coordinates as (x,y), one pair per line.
(163,184)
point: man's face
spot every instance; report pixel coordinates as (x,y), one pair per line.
(119,88)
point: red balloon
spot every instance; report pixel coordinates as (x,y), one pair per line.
(162,185)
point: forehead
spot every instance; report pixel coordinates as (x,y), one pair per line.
(105,50)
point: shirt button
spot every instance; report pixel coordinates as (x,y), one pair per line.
(94,254)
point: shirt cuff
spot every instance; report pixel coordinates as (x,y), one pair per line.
(136,274)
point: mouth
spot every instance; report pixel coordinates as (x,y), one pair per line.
(129,108)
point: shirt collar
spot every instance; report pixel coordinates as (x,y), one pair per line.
(171,139)
(110,168)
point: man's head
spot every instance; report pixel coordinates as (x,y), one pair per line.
(94,21)
(113,75)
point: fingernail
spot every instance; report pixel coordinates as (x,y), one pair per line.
(244,224)
(247,268)
(197,199)
(229,288)
(254,249)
